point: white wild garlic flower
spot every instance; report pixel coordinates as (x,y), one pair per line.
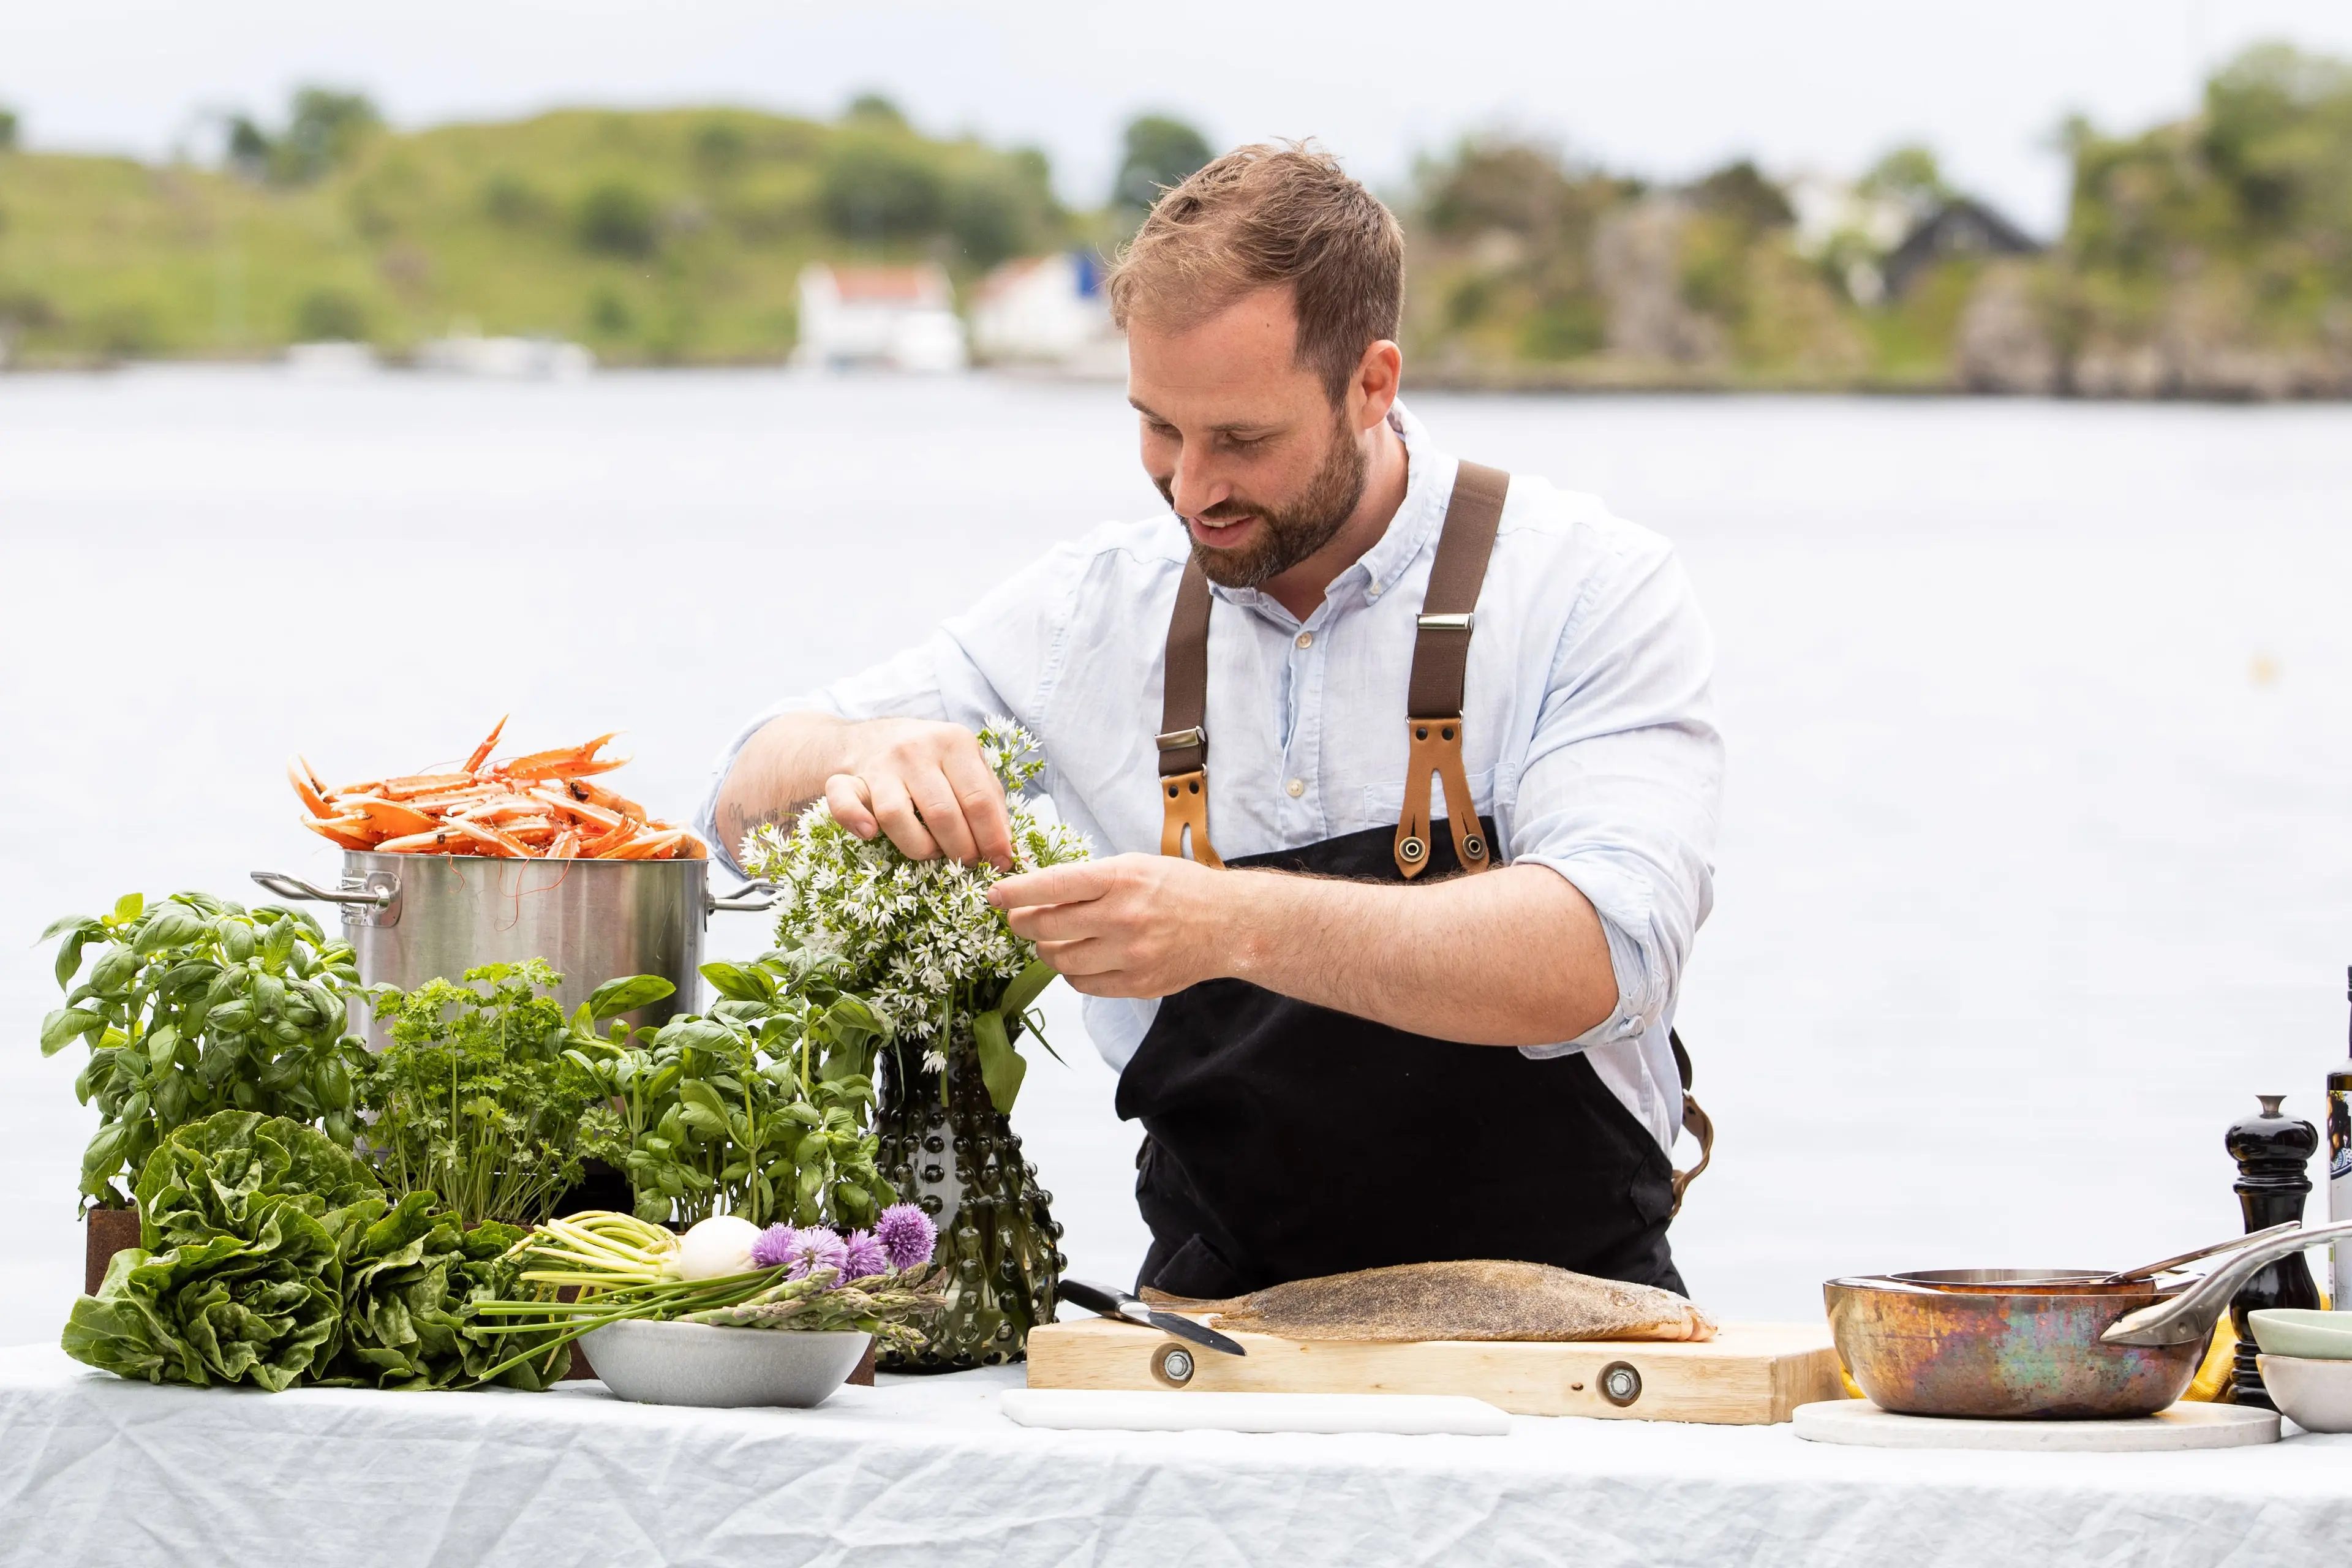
(916,934)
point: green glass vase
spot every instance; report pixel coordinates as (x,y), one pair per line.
(947,1148)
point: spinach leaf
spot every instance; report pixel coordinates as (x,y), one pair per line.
(411,1283)
(240,1279)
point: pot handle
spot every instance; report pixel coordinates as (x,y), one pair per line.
(744,899)
(287,887)
(2192,1314)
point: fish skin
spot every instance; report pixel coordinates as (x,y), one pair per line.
(1478,1299)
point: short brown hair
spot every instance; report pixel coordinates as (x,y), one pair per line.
(1264,216)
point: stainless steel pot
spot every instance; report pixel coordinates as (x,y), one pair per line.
(410,917)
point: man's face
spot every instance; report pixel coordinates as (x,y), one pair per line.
(1243,440)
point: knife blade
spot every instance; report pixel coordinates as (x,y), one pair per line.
(1114,1303)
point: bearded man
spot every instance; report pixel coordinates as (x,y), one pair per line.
(1406,768)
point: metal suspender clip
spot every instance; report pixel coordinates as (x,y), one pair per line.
(1177,739)
(1460,623)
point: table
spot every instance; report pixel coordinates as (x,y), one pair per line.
(926,1471)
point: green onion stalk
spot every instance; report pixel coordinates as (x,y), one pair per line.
(620,1267)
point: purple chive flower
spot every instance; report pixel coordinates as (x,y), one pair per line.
(868,1257)
(817,1248)
(907,1234)
(774,1246)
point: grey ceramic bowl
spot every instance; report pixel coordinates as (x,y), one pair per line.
(2298,1332)
(2316,1396)
(695,1363)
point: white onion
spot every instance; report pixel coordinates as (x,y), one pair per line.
(718,1245)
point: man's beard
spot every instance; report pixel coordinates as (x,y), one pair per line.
(1290,534)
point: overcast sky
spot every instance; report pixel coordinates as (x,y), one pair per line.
(1661,88)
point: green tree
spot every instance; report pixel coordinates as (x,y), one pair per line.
(1741,193)
(1911,175)
(324,127)
(7,130)
(617,219)
(1158,153)
(720,146)
(879,186)
(872,109)
(512,200)
(2278,138)
(331,315)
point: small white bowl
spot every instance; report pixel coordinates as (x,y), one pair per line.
(2316,1396)
(697,1363)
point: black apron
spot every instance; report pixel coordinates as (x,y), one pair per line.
(1286,1140)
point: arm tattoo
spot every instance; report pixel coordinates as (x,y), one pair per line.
(737,824)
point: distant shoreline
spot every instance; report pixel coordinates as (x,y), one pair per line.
(1565,382)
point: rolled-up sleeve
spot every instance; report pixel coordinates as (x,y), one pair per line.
(1622,786)
(995,658)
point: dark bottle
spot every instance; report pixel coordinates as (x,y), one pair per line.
(2339,1172)
(2272,1151)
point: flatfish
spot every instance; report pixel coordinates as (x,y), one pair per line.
(1477,1298)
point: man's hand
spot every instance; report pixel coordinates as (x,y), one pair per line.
(926,786)
(1513,957)
(1132,925)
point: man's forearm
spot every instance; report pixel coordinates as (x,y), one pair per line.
(780,769)
(1512,957)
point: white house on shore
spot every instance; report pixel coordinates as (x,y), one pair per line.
(899,317)
(1048,310)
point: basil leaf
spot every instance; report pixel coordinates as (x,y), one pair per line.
(615,997)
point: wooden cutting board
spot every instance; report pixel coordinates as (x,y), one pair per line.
(1749,1374)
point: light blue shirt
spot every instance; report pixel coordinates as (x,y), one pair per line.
(1589,729)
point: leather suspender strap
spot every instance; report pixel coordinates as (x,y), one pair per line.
(1183,714)
(1440,663)
(1696,1121)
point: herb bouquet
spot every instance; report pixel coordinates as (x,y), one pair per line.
(918,939)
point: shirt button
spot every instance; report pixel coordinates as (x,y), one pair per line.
(1306,639)
(1296,788)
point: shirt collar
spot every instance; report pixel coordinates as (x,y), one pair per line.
(1429,487)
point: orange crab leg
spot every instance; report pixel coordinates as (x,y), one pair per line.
(482,753)
(425,784)
(578,810)
(434,842)
(499,807)
(488,838)
(459,800)
(351,832)
(306,784)
(652,846)
(563,761)
(598,795)
(604,844)
(392,818)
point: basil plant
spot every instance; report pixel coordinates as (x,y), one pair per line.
(195,1006)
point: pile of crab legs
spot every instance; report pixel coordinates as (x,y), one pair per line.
(537,807)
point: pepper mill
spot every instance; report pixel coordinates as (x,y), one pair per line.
(2272,1152)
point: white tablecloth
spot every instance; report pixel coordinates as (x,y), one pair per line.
(926,1471)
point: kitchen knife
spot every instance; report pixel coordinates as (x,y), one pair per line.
(1110,1303)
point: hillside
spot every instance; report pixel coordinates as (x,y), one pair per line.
(2211,256)
(651,237)
(2207,257)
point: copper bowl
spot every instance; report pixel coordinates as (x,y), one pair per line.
(2003,1344)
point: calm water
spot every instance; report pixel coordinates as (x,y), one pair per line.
(2037,861)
